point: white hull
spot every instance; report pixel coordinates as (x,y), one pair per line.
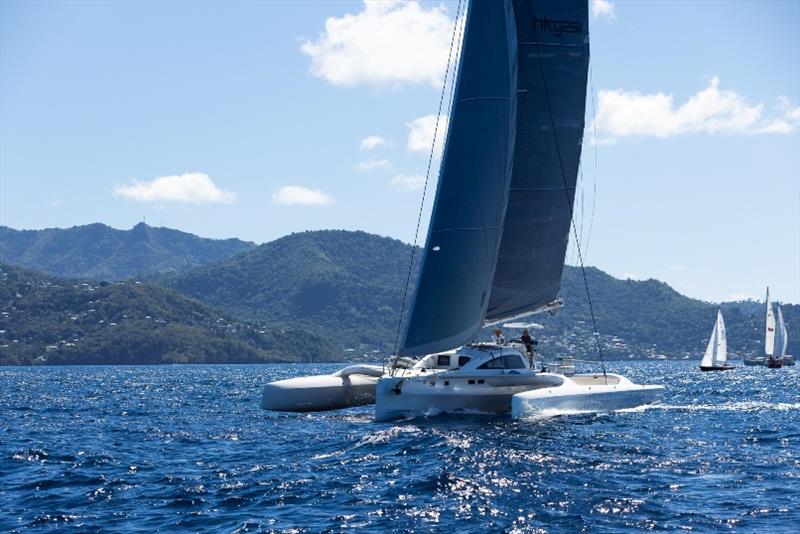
(352,386)
(585,393)
(398,397)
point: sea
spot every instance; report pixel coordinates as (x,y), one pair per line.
(186,448)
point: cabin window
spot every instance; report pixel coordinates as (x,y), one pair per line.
(443,359)
(514,362)
(471,381)
(496,363)
(463,360)
(504,362)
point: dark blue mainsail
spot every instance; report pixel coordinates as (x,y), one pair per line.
(523,68)
(553,40)
(466,225)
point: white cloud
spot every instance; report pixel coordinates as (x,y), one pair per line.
(420,135)
(373,141)
(190,188)
(375,164)
(292,195)
(408,182)
(603,8)
(55,202)
(711,110)
(387,42)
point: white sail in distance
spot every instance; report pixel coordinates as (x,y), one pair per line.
(717,349)
(769,333)
(781,339)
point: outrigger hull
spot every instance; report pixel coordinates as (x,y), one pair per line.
(352,386)
(585,394)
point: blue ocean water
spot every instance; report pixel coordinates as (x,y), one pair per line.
(186,448)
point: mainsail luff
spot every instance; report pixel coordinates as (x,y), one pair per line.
(769,333)
(466,225)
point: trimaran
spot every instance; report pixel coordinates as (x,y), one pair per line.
(497,237)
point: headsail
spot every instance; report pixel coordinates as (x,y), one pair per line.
(769,334)
(717,349)
(553,57)
(781,338)
(466,225)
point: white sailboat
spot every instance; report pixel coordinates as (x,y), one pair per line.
(782,340)
(716,355)
(769,338)
(499,229)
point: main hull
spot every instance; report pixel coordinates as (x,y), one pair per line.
(397,397)
(755,362)
(716,367)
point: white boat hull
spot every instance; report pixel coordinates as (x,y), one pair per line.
(352,386)
(398,397)
(586,394)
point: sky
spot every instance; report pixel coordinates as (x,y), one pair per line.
(258,119)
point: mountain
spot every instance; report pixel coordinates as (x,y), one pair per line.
(99,252)
(649,318)
(56,321)
(349,286)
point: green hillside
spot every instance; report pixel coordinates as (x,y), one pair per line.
(56,321)
(349,286)
(99,252)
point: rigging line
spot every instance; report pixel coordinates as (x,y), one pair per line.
(569,204)
(594,179)
(427,176)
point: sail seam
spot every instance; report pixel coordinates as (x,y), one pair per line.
(476,98)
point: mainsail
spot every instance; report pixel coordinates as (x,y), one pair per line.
(769,335)
(499,228)
(781,338)
(717,349)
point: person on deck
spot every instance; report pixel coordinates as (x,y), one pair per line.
(498,336)
(527,340)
